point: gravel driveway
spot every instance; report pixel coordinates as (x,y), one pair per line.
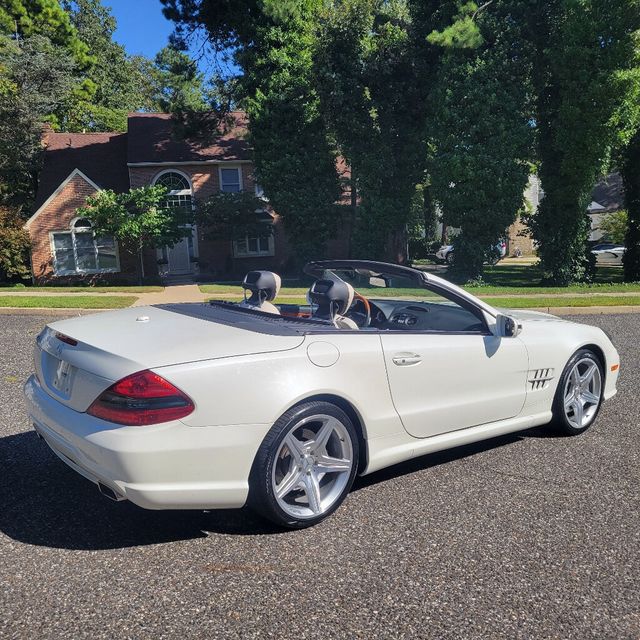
(525,536)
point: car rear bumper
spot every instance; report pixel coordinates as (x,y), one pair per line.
(165,466)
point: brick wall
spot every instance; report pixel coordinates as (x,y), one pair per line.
(57,216)
(516,240)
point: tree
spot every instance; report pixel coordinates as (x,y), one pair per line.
(367,66)
(294,155)
(36,79)
(630,170)
(121,83)
(14,246)
(581,53)
(232,216)
(614,226)
(481,138)
(138,219)
(25,18)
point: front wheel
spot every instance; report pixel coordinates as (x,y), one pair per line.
(579,394)
(305,466)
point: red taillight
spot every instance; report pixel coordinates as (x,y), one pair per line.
(66,339)
(140,399)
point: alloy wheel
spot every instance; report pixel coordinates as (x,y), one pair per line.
(312,466)
(582,393)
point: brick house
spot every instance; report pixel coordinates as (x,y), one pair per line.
(78,165)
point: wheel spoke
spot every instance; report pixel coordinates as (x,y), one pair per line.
(568,401)
(590,398)
(312,489)
(295,446)
(588,374)
(578,412)
(290,482)
(322,437)
(327,464)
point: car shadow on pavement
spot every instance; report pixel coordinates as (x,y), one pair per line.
(43,502)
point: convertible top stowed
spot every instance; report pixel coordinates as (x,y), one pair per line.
(230,314)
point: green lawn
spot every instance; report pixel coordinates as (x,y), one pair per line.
(512,279)
(98,289)
(568,301)
(513,303)
(68,302)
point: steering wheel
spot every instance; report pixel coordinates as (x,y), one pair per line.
(360,299)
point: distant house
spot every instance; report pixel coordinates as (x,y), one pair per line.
(607,197)
(78,165)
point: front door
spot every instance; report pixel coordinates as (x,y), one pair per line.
(178,258)
(442,383)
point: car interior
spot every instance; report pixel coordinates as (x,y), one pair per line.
(333,300)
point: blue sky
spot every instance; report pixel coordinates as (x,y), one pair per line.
(143,29)
(141,26)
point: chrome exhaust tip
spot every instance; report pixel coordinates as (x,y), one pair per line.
(109,492)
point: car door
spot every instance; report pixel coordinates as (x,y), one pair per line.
(443,380)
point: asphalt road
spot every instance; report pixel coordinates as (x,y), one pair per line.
(529,536)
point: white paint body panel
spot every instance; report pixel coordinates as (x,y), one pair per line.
(241,381)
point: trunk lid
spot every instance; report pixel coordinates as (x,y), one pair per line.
(115,344)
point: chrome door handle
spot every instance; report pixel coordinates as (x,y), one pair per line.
(406,359)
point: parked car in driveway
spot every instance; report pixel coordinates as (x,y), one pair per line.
(216,405)
(446,253)
(608,254)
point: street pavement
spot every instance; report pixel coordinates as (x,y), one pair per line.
(525,536)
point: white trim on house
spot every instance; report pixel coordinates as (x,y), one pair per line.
(595,207)
(56,193)
(187,162)
(181,192)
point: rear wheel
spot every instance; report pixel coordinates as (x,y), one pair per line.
(305,466)
(579,394)
(449,258)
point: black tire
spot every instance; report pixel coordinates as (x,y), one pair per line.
(449,258)
(262,496)
(561,421)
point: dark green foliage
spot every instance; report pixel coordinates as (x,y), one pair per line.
(14,246)
(36,79)
(366,64)
(630,169)
(482,139)
(121,83)
(231,216)
(581,52)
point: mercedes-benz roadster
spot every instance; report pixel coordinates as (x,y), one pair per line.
(279,406)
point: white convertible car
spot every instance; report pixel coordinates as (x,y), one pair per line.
(218,405)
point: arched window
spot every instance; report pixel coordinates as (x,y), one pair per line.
(178,188)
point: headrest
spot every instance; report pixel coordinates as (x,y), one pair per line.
(332,297)
(265,285)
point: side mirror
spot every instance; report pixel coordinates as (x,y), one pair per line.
(507,327)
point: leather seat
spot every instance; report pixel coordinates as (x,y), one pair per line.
(263,287)
(332,299)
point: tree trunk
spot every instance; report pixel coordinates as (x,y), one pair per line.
(140,267)
(630,170)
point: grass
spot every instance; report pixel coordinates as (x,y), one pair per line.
(512,303)
(518,279)
(564,301)
(71,289)
(68,302)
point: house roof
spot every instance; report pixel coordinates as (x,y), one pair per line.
(152,139)
(99,156)
(608,194)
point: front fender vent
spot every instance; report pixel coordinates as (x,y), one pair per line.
(540,378)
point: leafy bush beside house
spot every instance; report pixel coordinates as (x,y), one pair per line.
(14,246)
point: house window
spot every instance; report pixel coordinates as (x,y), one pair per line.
(230,180)
(249,247)
(79,251)
(178,189)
